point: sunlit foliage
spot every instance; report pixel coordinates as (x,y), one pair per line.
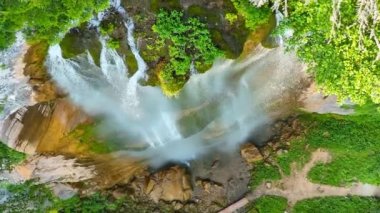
(187,41)
(43,20)
(254,16)
(342,62)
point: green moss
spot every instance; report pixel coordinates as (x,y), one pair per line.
(131,62)
(157,5)
(87,135)
(113,43)
(352,204)
(268,204)
(9,157)
(263,172)
(73,44)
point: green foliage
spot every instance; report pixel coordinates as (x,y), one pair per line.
(263,172)
(93,203)
(9,157)
(253,16)
(27,197)
(352,204)
(340,67)
(187,41)
(266,204)
(43,20)
(32,197)
(231,18)
(113,43)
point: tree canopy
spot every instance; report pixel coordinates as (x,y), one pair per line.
(43,20)
(339,41)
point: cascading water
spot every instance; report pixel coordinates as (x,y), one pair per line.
(15,92)
(215,110)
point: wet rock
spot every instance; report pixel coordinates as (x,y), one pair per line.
(250,153)
(268,185)
(43,87)
(208,185)
(39,128)
(169,185)
(56,169)
(63,191)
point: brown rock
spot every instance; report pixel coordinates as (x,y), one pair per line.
(49,169)
(250,153)
(172,184)
(40,128)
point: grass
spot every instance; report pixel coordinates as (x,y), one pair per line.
(268,204)
(332,204)
(9,157)
(263,172)
(353,141)
(352,204)
(296,153)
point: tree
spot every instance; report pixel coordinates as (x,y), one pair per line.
(339,40)
(44,20)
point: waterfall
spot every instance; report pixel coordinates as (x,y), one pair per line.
(193,70)
(216,110)
(279,17)
(15,91)
(287,33)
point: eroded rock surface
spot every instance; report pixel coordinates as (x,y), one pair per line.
(250,153)
(36,128)
(54,169)
(171,184)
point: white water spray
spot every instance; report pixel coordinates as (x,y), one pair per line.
(215,111)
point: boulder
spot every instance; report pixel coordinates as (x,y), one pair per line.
(250,153)
(169,185)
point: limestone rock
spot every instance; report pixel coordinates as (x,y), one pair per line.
(250,153)
(172,184)
(56,169)
(39,128)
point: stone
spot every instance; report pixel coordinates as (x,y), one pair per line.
(54,169)
(268,185)
(250,153)
(172,184)
(40,128)
(63,191)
